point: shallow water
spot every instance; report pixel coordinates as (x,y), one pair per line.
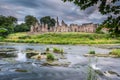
(21,68)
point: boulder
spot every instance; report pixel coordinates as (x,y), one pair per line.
(31,53)
(7,49)
(56,63)
(7,54)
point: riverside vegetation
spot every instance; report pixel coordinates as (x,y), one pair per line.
(115,52)
(62,38)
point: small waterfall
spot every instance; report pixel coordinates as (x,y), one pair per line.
(21,57)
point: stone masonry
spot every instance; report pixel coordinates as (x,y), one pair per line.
(88,27)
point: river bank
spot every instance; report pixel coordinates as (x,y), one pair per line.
(61,38)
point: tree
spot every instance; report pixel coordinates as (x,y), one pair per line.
(113,24)
(48,20)
(21,28)
(11,20)
(8,22)
(3,32)
(111,7)
(30,20)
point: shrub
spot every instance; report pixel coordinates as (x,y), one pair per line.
(50,56)
(47,49)
(115,52)
(92,52)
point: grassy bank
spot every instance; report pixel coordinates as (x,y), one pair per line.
(62,38)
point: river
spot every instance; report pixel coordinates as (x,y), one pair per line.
(22,68)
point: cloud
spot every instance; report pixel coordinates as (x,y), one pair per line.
(39,8)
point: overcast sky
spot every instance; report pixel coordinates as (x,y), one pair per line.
(39,8)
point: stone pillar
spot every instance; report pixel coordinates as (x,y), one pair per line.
(32,28)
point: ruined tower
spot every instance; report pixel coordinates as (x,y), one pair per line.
(57,23)
(63,23)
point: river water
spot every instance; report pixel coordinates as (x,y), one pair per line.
(21,68)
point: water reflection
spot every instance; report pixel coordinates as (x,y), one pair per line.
(77,70)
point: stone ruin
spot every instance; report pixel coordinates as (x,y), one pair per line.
(88,27)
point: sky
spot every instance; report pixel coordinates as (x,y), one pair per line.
(68,12)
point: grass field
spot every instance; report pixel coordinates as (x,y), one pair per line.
(62,38)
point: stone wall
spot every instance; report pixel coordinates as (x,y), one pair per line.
(89,27)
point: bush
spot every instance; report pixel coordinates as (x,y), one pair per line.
(92,52)
(50,56)
(47,49)
(115,52)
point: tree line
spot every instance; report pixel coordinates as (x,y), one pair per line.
(8,24)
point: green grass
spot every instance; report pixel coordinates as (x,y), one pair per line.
(115,52)
(62,38)
(57,50)
(50,57)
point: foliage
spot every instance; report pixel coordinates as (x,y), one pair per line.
(30,20)
(21,28)
(8,23)
(115,52)
(57,50)
(99,29)
(104,6)
(113,24)
(110,7)
(92,52)
(3,32)
(47,49)
(48,20)
(50,56)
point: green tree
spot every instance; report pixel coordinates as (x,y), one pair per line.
(11,20)
(30,20)
(3,32)
(111,7)
(8,22)
(48,20)
(21,28)
(2,20)
(113,24)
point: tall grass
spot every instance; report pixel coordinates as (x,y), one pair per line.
(115,52)
(62,38)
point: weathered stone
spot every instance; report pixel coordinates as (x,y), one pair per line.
(99,55)
(7,55)
(7,49)
(38,57)
(111,73)
(57,63)
(21,70)
(88,27)
(29,54)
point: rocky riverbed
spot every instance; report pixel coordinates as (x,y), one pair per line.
(20,62)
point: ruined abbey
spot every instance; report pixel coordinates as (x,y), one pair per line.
(88,27)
